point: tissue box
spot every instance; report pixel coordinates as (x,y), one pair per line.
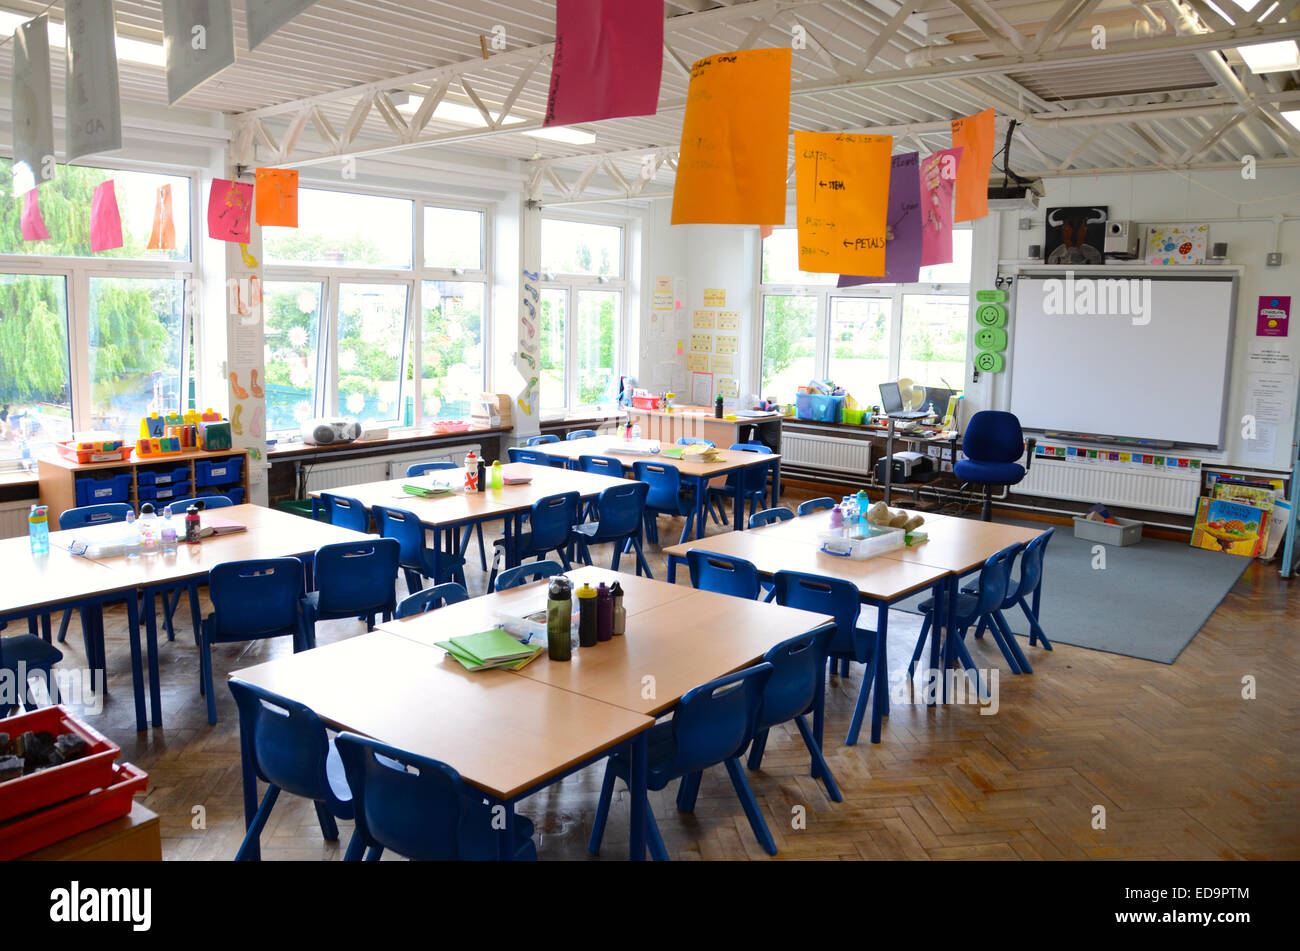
(215,437)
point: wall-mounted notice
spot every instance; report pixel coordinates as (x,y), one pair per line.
(94,106)
(704,320)
(697,362)
(725,365)
(1273,317)
(608,60)
(735,140)
(701,389)
(842,185)
(974,135)
(1268,411)
(663,285)
(662,300)
(715,297)
(701,343)
(264,17)
(938,182)
(728,320)
(726,345)
(199,37)
(33,109)
(728,388)
(903,239)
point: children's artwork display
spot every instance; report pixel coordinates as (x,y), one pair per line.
(1177,244)
(1076,235)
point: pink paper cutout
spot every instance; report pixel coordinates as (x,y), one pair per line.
(609,60)
(230,211)
(105,219)
(33,224)
(938,184)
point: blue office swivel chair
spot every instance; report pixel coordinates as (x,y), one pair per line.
(993,444)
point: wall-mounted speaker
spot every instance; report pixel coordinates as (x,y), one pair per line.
(1035,252)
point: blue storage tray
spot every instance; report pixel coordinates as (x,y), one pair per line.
(822,409)
(92,491)
(163,477)
(218,472)
(164,493)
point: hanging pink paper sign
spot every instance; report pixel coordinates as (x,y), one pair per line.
(105,219)
(230,211)
(33,224)
(938,182)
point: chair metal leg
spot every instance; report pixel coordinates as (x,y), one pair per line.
(986,512)
(820,767)
(356,848)
(860,708)
(999,637)
(688,791)
(655,839)
(747,800)
(920,645)
(756,749)
(1035,628)
(249,849)
(63,625)
(328,827)
(602,810)
(1021,660)
(196,616)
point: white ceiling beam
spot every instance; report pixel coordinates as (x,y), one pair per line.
(1055,40)
(985,25)
(887,33)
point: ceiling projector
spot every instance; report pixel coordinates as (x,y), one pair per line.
(330,431)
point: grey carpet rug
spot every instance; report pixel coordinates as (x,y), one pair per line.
(1149,600)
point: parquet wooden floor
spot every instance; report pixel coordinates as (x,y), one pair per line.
(1184,767)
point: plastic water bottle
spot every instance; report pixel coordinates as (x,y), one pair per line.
(167,534)
(636,432)
(131,536)
(38,528)
(148,526)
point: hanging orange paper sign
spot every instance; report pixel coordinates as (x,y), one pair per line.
(277,197)
(974,136)
(842,184)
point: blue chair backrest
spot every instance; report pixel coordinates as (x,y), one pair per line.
(405,527)
(420,468)
(993,436)
(357,576)
(550,520)
(431,598)
(715,721)
(665,483)
(93,515)
(695,441)
(204,502)
(1031,564)
(540,440)
(345,512)
(816,505)
(407,804)
(798,668)
(523,574)
(752,447)
(581,434)
(822,595)
(995,576)
(601,465)
(255,598)
(723,574)
(290,745)
(768,516)
(515,454)
(620,509)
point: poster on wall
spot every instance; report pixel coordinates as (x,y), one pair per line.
(1273,318)
(1076,235)
(701,389)
(1177,244)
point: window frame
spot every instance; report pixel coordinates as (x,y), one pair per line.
(825,294)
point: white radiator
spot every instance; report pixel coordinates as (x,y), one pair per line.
(1160,490)
(828,453)
(13,518)
(333,475)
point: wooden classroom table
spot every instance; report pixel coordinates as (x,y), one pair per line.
(271,534)
(692,471)
(506,735)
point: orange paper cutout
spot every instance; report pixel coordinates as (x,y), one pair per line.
(842,185)
(277,197)
(163,236)
(974,136)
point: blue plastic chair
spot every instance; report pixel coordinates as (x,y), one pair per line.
(419,808)
(694,441)
(723,574)
(423,468)
(816,505)
(171,602)
(770,517)
(620,517)
(251,600)
(1026,586)
(850,643)
(540,440)
(287,747)
(993,582)
(751,482)
(344,512)
(430,599)
(796,688)
(992,444)
(30,653)
(178,506)
(550,521)
(87,515)
(599,465)
(535,458)
(667,496)
(581,434)
(524,574)
(711,725)
(353,579)
(417,559)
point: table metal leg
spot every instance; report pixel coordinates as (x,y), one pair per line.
(776,483)
(880,706)
(637,804)
(137,666)
(940,595)
(248,772)
(151,646)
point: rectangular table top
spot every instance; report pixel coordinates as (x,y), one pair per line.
(36,581)
(728,459)
(503,733)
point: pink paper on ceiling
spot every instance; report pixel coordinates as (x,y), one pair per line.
(609,57)
(33,224)
(105,219)
(230,211)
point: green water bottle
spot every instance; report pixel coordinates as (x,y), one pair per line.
(559,619)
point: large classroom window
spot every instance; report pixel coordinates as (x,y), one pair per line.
(375,309)
(863,336)
(581,313)
(91,340)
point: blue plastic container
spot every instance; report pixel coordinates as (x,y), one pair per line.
(163,493)
(163,477)
(818,408)
(219,472)
(92,491)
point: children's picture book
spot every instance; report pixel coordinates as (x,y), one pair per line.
(1231,527)
(1260,495)
(1279,521)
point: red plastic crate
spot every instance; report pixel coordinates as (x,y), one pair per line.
(450,426)
(83,457)
(646,402)
(57,783)
(47,826)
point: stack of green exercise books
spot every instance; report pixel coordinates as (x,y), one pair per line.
(490,649)
(427,491)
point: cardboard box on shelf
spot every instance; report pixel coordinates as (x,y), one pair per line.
(493,409)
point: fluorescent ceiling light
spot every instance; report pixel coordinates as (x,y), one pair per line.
(128,50)
(469,115)
(1271,57)
(1293,117)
